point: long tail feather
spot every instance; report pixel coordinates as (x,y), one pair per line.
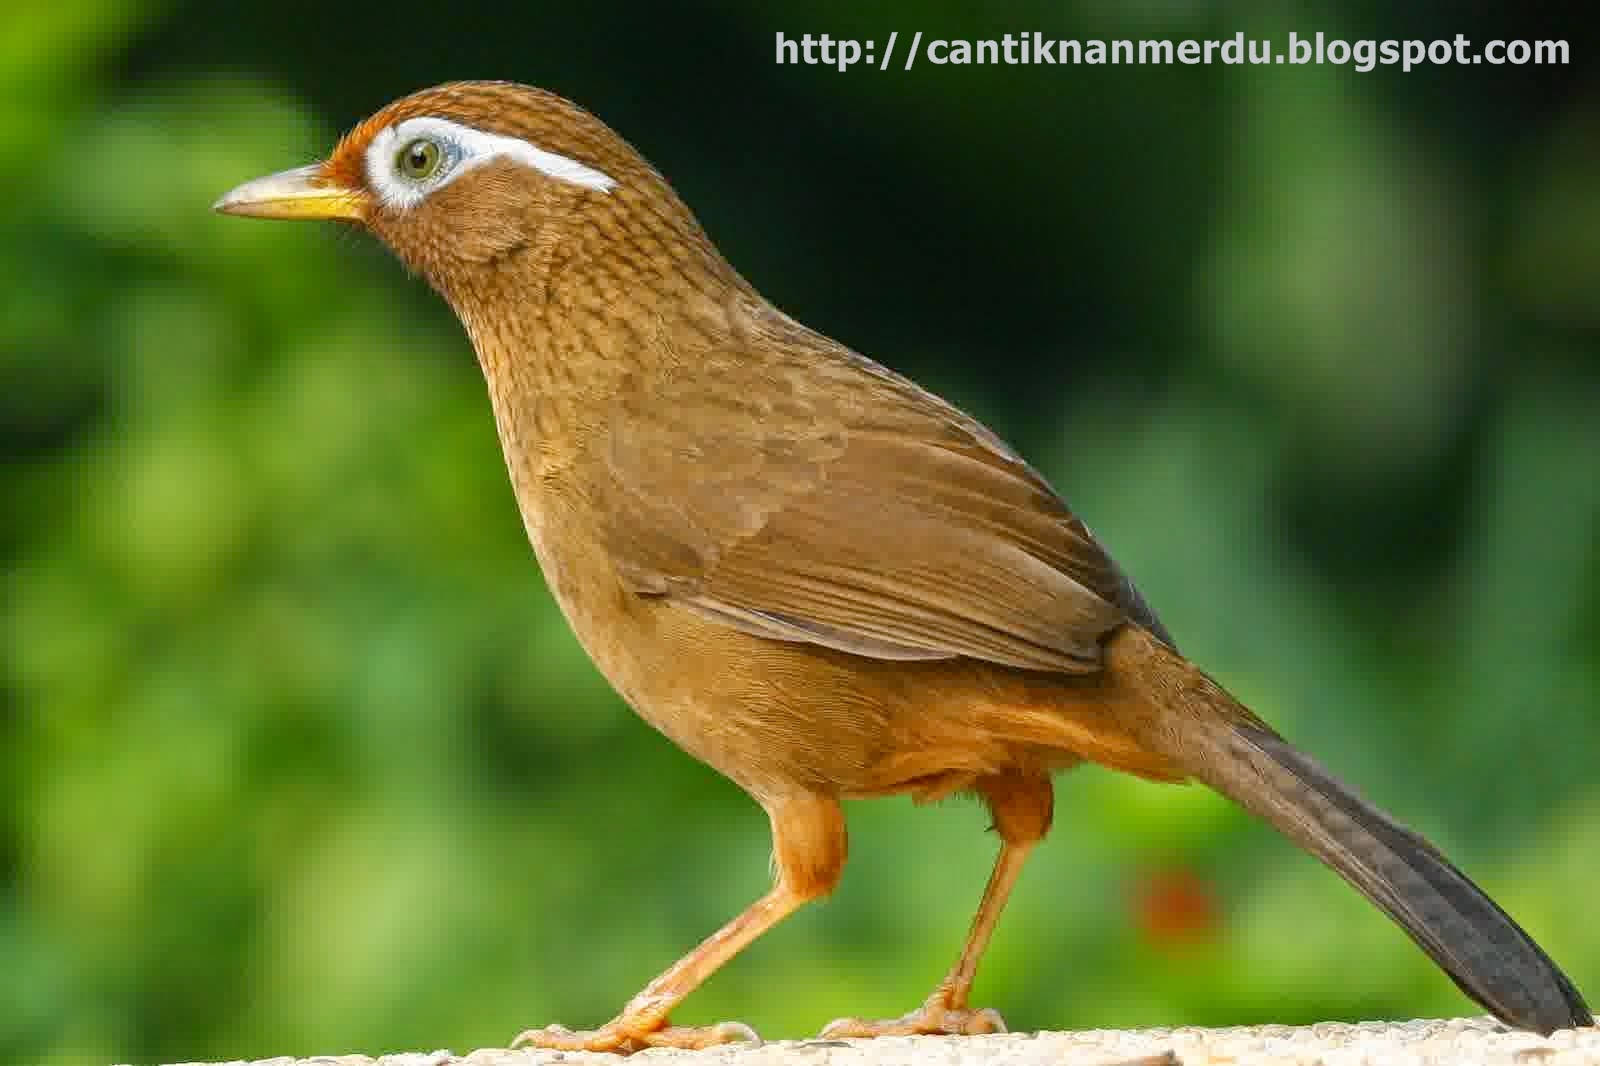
(1222,744)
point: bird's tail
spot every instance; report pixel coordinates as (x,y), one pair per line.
(1218,741)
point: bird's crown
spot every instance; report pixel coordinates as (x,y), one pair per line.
(424,141)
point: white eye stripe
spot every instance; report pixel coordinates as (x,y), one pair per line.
(463,148)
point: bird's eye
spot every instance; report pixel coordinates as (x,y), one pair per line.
(420,159)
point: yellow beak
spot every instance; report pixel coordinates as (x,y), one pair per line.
(299,193)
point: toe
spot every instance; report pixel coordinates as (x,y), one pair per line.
(985,1020)
(560,1038)
(624,1037)
(924,1022)
(701,1037)
(737,1033)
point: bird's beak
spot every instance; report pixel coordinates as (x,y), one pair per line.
(304,192)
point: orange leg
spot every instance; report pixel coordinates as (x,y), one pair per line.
(808,841)
(1021,805)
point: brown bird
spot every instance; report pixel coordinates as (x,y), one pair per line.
(808,572)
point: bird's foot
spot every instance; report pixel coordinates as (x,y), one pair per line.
(624,1035)
(934,1018)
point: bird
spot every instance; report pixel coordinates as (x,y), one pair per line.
(810,573)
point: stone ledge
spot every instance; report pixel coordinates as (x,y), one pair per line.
(1431,1042)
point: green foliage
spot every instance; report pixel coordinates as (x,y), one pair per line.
(297,756)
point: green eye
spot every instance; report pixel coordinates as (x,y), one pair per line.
(419,160)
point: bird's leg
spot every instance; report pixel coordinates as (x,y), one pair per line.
(1021,805)
(809,844)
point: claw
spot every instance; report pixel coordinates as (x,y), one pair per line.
(736,1033)
(624,1036)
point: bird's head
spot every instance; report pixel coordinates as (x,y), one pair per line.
(467,179)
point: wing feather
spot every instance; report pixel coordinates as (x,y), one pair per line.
(800,492)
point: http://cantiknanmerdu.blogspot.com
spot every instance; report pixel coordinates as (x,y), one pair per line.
(1038,49)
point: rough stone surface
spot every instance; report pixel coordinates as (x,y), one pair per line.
(1456,1042)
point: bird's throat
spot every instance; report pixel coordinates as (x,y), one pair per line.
(560,330)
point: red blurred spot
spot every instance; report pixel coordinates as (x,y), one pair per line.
(1174,908)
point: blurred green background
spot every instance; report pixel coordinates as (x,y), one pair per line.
(297,756)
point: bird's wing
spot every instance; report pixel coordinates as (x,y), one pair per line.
(826,499)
